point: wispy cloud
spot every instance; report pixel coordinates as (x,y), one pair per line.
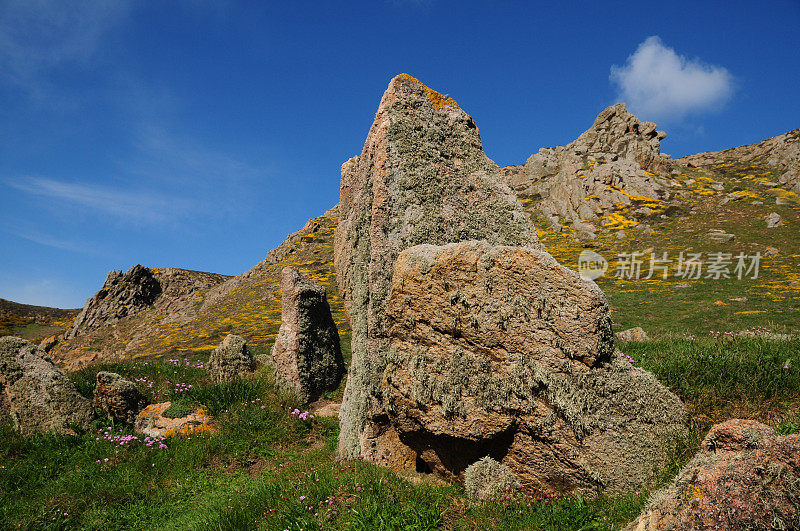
(659,84)
(129,205)
(37,36)
(48,240)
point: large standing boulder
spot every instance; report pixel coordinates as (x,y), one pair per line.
(118,398)
(422,177)
(745,476)
(39,396)
(307,355)
(230,360)
(500,351)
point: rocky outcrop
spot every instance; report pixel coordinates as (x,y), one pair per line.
(613,164)
(422,177)
(500,351)
(744,477)
(39,396)
(140,288)
(780,152)
(230,360)
(773,219)
(307,355)
(122,294)
(118,398)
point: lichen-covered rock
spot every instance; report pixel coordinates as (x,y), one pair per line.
(611,165)
(636,334)
(745,476)
(152,422)
(422,177)
(118,398)
(773,220)
(501,351)
(230,360)
(38,395)
(307,355)
(486,477)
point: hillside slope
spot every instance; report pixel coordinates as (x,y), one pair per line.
(195,311)
(33,322)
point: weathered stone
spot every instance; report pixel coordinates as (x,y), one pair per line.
(230,360)
(719,236)
(152,422)
(421,177)
(501,351)
(773,220)
(782,152)
(48,343)
(487,477)
(633,334)
(744,477)
(611,165)
(118,398)
(38,395)
(307,355)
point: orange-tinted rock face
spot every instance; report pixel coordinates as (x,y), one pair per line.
(152,422)
(501,351)
(745,476)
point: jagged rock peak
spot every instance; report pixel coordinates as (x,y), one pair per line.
(616,131)
(614,164)
(122,294)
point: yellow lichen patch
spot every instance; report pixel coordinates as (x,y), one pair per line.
(746,193)
(633,197)
(593,196)
(439,101)
(615,220)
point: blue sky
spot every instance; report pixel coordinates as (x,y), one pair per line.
(198,134)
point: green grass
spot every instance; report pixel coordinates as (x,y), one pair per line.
(735,377)
(251,474)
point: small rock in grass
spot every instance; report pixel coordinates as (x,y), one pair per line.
(487,477)
(633,334)
(230,359)
(773,220)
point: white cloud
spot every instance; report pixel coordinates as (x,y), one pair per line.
(659,84)
(51,241)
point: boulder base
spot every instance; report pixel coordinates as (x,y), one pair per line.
(500,351)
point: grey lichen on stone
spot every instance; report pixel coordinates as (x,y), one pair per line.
(40,396)
(307,355)
(422,177)
(486,478)
(230,360)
